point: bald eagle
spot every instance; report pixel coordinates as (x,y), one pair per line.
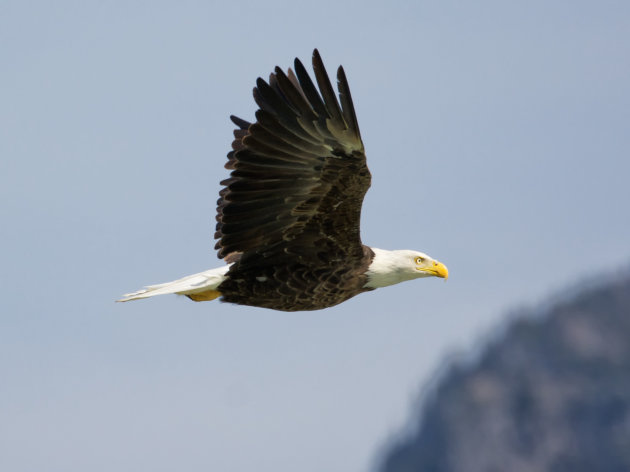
(288,215)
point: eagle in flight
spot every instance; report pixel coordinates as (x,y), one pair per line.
(288,216)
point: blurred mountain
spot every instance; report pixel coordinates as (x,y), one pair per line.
(550,394)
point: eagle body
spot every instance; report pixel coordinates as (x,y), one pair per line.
(295,286)
(288,216)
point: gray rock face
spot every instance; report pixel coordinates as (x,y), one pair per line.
(552,394)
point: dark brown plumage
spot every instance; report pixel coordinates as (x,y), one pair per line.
(289,214)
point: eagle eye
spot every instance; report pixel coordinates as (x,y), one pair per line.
(419,260)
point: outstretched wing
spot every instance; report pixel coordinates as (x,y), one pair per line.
(298,173)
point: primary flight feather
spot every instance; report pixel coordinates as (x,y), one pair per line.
(288,217)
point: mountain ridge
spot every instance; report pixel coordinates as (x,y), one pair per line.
(550,392)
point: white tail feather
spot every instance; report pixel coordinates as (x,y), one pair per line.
(208,280)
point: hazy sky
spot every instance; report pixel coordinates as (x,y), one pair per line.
(498,136)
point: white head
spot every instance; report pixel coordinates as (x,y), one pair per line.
(391,267)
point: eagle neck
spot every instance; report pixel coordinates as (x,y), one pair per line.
(385,269)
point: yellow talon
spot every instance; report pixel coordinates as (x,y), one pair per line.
(204,296)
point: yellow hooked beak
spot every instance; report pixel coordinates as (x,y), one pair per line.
(437,269)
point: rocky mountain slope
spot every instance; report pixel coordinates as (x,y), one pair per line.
(551,394)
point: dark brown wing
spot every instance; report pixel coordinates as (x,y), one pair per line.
(298,174)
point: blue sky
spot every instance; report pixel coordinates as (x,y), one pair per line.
(497,136)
